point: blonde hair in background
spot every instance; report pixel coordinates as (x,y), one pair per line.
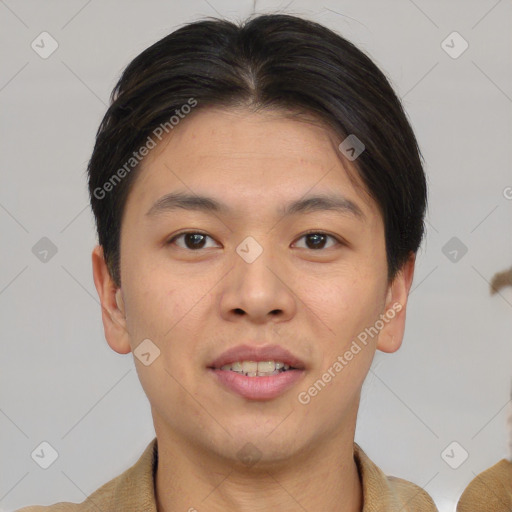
(500,280)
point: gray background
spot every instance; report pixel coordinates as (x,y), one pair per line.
(59,380)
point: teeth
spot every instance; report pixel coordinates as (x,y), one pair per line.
(237,367)
(266,366)
(257,368)
(249,366)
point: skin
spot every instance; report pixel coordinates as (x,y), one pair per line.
(196,303)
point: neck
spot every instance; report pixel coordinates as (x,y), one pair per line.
(322,477)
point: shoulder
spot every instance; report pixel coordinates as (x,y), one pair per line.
(390,493)
(131,490)
(98,500)
(489,490)
(411,496)
(101,499)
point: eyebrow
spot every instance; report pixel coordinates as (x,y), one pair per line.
(320,202)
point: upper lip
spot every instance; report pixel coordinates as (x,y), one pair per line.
(257,353)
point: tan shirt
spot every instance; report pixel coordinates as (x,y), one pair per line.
(490,490)
(133,490)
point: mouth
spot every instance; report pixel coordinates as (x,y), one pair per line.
(257,372)
(257,368)
(252,359)
(256,385)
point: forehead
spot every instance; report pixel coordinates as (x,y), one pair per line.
(249,158)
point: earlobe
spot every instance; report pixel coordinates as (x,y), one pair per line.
(112,304)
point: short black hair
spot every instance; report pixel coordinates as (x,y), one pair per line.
(270,61)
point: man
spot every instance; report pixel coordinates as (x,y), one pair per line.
(259,198)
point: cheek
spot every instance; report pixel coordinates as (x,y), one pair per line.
(152,299)
(350,309)
(165,308)
(350,296)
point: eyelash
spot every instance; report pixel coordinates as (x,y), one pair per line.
(311,232)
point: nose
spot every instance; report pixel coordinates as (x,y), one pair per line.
(258,287)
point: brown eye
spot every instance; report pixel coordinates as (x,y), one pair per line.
(192,240)
(316,240)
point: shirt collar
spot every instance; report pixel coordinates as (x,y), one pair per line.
(389,493)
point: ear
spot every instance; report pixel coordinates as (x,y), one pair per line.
(391,335)
(112,304)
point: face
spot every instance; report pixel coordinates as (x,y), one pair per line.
(198,280)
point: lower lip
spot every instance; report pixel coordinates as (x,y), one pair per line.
(258,388)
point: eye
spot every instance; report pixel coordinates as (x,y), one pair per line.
(193,240)
(317,239)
